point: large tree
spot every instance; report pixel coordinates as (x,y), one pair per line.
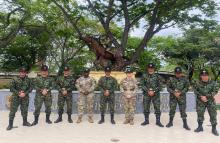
(152,15)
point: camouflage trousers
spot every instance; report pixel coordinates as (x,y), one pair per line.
(38,102)
(129,107)
(110,100)
(61,102)
(211,107)
(156,102)
(85,102)
(181,103)
(15,102)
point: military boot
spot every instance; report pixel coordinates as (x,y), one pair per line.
(10,126)
(79,120)
(214,131)
(200,128)
(59,119)
(158,123)
(146,120)
(35,120)
(48,121)
(112,119)
(90,119)
(70,119)
(185,125)
(102,119)
(170,124)
(25,122)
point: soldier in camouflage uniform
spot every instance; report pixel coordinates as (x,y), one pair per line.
(65,86)
(107,85)
(205,90)
(128,87)
(151,87)
(177,87)
(43,85)
(20,88)
(86,86)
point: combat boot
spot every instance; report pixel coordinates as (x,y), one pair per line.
(158,123)
(185,125)
(25,122)
(102,119)
(90,119)
(59,119)
(112,119)
(48,121)
(146,120)
(132,121)
(214,131)
(170,124)
(35,120)
(79,120)
(126,121)
(70,119)
(10,126)
(200,128)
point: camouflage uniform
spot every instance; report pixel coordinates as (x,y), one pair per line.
(107,83)
(178,84)
(129,88)
(151,82)
(65,83)
(17,85)
(181,84)
(85,84)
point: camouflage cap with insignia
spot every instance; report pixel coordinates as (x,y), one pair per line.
(151,65)
(44,68)
(108,69)
(204,72)
(178,70)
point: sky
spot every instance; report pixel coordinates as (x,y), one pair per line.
(174,31)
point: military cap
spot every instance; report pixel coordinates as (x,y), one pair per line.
(66,68)
(44,68)
(23,69)
(204,72)
(86,70)
(151,65)
(178,70)
(128,70)
(108,69)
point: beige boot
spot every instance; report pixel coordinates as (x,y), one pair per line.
(90,119)
(126,121)
(79,120)
(131,121)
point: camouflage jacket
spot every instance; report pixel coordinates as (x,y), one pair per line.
(208,89)
(128,87)
(108,83)
(151,82)
(21,84)
(65,82)
(181,84)
(85,84)
(43,83)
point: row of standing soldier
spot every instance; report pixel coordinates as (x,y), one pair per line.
(205,89)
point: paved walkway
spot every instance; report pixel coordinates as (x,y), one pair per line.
(106,133)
